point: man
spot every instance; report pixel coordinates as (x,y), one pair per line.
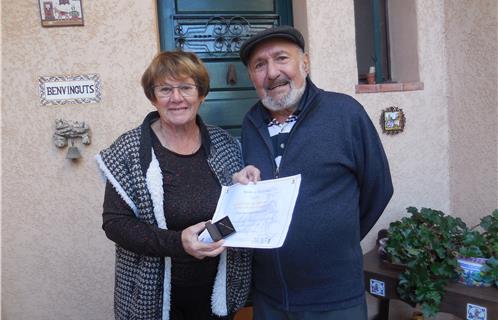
(297,128)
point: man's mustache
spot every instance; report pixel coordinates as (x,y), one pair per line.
(277,83)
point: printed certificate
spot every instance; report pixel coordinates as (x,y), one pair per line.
(260,213)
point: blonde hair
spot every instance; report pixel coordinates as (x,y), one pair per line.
(176,65)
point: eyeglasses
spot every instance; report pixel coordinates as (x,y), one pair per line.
(165,91)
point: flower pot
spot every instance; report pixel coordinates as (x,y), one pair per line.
(371,78)
(469,272)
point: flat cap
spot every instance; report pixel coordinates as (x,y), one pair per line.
(286,32)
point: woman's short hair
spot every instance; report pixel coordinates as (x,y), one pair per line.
(176,65)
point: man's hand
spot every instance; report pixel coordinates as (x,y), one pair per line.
(196,248)
(247,175)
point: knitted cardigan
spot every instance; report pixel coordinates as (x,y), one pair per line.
(143,283)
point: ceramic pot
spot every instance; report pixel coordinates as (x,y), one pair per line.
(469,271)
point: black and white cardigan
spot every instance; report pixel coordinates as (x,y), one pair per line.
(143,283)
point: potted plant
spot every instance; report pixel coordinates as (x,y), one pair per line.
(428,244)
(478,253)
(424,244)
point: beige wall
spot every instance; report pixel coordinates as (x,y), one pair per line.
(56,261)
(472,50)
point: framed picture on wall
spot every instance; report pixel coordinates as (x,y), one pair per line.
(392,120)
(61,13)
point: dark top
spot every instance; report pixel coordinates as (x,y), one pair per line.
(345,186)
(191,191)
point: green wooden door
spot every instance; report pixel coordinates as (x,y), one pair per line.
(214,30)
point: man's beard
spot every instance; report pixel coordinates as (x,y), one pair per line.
(290,99)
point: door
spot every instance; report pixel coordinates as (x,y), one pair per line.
(215,30)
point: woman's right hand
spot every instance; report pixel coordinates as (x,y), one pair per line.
(199,249)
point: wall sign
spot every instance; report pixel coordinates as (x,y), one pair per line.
(59,13)
(58,90)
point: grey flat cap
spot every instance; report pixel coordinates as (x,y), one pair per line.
(286,32)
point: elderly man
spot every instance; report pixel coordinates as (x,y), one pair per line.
(327,137)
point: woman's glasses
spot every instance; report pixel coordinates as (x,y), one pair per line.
(185,89)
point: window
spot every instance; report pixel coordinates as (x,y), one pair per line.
(372,39)
(386,39)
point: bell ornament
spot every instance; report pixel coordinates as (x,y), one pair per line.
(73,153)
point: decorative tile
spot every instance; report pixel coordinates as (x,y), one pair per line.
(377,287)
(475,312)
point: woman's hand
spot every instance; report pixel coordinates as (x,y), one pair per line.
(247,175)
(196,248)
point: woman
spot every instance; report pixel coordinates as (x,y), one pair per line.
(163,182)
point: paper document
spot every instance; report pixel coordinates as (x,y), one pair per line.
(260,213)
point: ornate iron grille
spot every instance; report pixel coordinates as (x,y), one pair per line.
(217,36)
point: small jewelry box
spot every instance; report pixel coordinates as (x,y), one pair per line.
(220,229)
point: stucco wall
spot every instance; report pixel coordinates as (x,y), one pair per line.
(472,46)
(56,261)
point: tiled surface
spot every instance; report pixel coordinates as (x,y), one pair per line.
(389,87)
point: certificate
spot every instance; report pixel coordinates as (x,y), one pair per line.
(260,213)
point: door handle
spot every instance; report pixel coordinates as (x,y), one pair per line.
(231,75)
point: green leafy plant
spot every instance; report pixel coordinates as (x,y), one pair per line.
(483,244)
(425,244)
(490,226)
(428,243)
(489,272)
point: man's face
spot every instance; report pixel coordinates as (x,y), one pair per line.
(278,70)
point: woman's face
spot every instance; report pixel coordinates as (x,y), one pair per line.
(177,101)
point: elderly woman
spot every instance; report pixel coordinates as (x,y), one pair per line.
(163,182)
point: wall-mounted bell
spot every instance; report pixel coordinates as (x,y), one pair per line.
(67,131)
(73,153)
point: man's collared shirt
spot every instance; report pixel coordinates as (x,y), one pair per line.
(279,134)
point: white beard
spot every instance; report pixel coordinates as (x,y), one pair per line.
(290,99)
